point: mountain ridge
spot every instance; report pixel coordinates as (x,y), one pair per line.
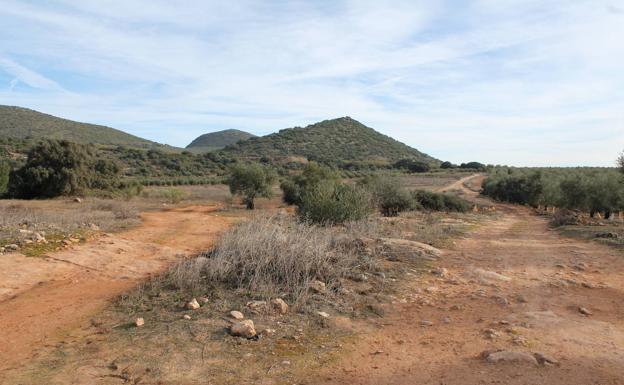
(218,139)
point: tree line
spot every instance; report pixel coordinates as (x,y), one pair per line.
(590,190)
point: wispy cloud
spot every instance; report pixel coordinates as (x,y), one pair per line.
(522,82)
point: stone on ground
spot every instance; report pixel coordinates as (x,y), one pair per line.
(193,305)
(139,322)
(237,315)
(317,286)
(245,329)
(510,356)
(279,305)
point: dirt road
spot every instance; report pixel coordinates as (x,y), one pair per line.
(42,299)
(530,305)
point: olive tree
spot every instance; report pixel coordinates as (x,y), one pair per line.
(251,181)
(620,162)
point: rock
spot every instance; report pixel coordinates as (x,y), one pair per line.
(426,323)
(193,305)
(441,271)
(584,311)
(186,317)
(322,314)
(521,299)
(544,359)
(237,315)
(243,329)
(25,232)
(139,322)
(418,247)
(491,334)
(268,332)
(318,286)
(511,356)
(77,200)
(12,247)
(203,300)
(94,227)
(431,289)
(2,249)
(256,306)
(279,305)
(66,242)
(36,237)
(491,276)
(501,300)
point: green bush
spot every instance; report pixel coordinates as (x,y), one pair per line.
(330,202)
(447,165)
(440,202)
(412,165)
(251,181)
(56,168)
(312,174)
(388,195)
(5,169)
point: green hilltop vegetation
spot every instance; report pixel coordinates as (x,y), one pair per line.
(342,143)
(217,140)
(30,125)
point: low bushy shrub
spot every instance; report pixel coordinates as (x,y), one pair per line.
(440,202)
(271,256)
(389,196)
(330,202)
(312,174)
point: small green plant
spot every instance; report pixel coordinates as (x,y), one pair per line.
(251,181)
(312,174)
(4,176)
(330,202)
(440,202)
(388,195)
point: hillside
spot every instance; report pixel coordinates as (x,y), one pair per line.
(343,142)
(23,123)
(217,140)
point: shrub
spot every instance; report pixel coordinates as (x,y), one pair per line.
(447,165)
(473,166)
(4,176)
(330,202)
(271,256)
(56,168)
(251,181)
(412,165)
(312,174)
(620,162)
(170,195)
(388,195)
(564,217)
(440,202)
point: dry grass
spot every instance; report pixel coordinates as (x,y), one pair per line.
(276,255)
(63,216)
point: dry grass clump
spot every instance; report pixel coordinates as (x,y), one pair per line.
(64,216)
(275,255)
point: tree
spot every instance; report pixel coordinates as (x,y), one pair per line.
(412,165)
(620,162)
(473,166)
(55,168)
(251,181)
(447,165)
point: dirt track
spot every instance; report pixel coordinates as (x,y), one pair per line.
(536,311)
(42,299)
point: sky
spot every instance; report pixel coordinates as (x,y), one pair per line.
(526,83)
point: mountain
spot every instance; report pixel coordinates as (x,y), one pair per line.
(217,140)
(23,123)
(341,142)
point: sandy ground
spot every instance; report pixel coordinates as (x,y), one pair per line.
(42,299)
(535,311)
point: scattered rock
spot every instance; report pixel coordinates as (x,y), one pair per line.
(257,306)
(520,341)
(426,323)
(322,314)
(318,286)
(78,200)
(584,311)
(501,300)
(510,356)
(12,247)
(193,305)
(491,275)
(139,322)
(545,359)
(431,289)
(521,299)
(94,227)
(491,334)
(440,271)
(36,237)
(268,332)
(279,305)
(608,235)
(243,329)
(237,315)
(186,317)
(203,300)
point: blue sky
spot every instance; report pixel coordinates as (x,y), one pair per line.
(499,81)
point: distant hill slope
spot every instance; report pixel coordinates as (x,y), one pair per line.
(339,142)
(217,140)
(18,122)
